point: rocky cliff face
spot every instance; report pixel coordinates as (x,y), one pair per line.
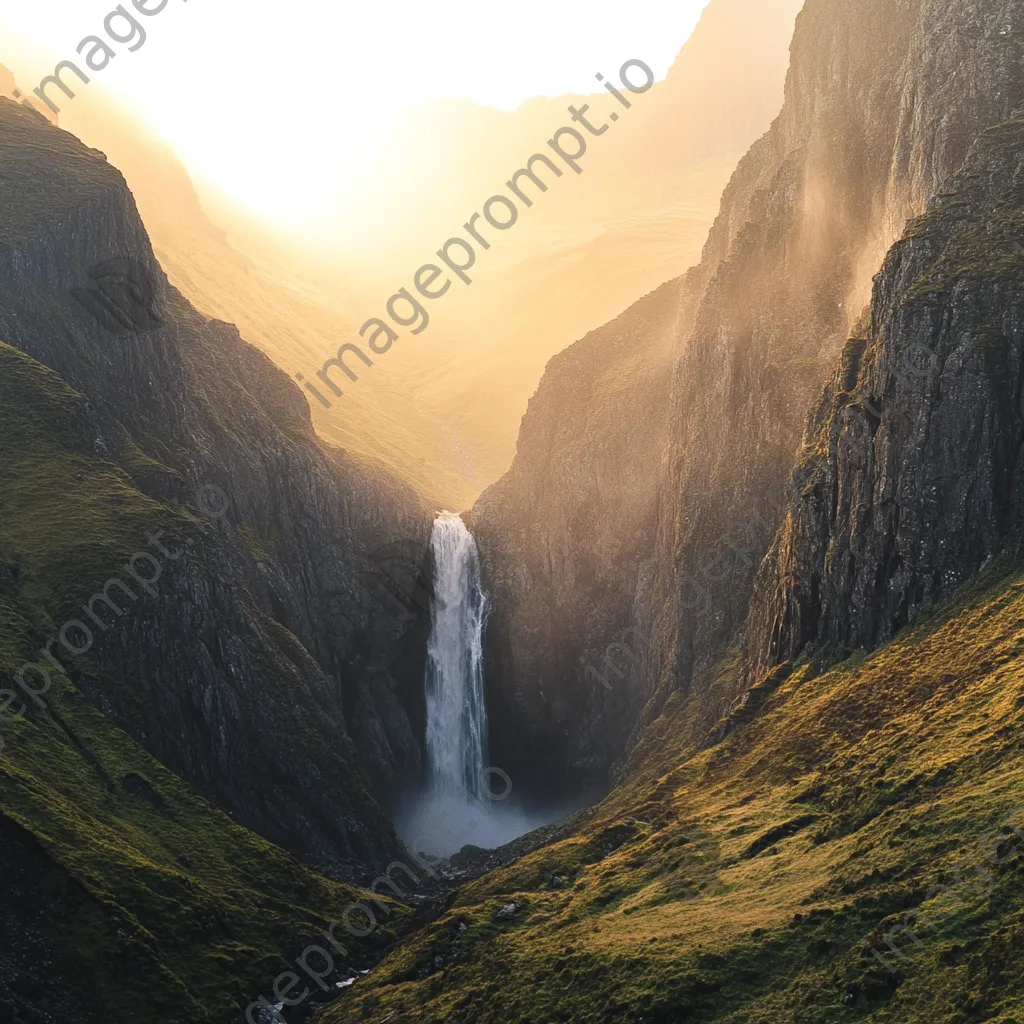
(883,101)
(562,536)
(913,457)
(277,665)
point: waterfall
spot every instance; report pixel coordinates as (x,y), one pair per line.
(456,715)
(462,805)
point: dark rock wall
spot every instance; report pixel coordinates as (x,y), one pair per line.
(562,536)
(883,101)
(912,466)
(243,666)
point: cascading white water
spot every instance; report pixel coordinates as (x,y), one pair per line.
(465,800)
(456,714)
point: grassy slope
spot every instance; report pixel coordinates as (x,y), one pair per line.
(751,881)
(168,911)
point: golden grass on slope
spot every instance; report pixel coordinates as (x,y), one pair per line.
(752,881)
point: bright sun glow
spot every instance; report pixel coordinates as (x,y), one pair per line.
(277,104)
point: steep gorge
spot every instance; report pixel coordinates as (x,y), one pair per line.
(751,854)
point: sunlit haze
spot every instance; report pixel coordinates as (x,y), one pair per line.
(277,104)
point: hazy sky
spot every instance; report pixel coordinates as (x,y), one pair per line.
(274,102)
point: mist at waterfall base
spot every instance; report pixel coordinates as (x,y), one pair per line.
(466,801)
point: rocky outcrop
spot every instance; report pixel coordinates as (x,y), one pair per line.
(239,672)
(914,475)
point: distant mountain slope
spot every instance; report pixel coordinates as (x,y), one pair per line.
(721,94)
(375,424)
(9,89)
(532,309)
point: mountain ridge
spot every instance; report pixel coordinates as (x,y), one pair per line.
(183,405)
